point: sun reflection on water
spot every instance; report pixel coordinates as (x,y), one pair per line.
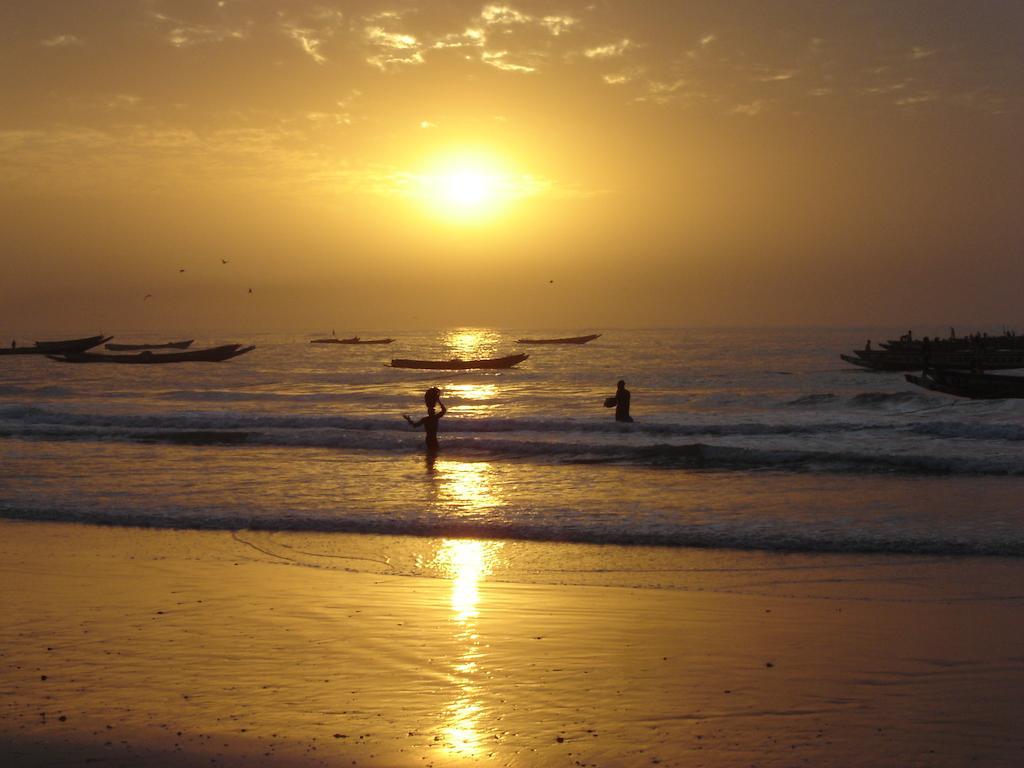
(466,563)
(466,487)
(472,343)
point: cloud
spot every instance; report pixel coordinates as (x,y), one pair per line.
(499,60)
(394,49)
(471,37)
(917,53)
(183,34)
(308,43)
(377,36)
(60,41)
(556,25)
(608,51)
(503,15)
(750,109)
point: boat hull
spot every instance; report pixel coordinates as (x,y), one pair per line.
(212,355)
(460,365)
(566,340)
(140,347)
(58,347)
(977,386)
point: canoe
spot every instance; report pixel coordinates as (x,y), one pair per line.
(138,347)
(566,340)
(212,355)
(979,386)
(57,347)
(988,359)
(460,365)
(353,340)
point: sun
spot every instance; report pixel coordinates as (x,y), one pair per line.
(467,188)
(468,185)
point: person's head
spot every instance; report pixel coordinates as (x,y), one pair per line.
(431,397)
(622,384)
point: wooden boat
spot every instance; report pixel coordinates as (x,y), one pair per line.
(566,340)
(57,347)
(979,386)
(353,340)
(965,359)
(460,365)
(138,347)
(211,355)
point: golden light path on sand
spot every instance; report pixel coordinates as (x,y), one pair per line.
(466,562)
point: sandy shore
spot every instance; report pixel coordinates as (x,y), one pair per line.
(138,647)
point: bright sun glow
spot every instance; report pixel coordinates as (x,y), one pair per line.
(471,185)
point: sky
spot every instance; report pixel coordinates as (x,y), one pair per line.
(354,165)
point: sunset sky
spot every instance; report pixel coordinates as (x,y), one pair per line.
(365,165)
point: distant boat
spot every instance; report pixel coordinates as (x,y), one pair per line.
(979,386)
(57,347)
(136,347)
(352,340)
(212,355)
(965,359)
(460,365)
(566,340)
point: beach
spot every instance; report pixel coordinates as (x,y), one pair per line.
(129,646)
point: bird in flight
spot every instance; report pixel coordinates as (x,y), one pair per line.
(181,270)
(250,290)
(224,261)
(147,296)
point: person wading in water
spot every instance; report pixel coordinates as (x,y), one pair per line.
(620,402)
(432,399)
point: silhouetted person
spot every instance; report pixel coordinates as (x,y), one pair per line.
(867,347)
(429,422)
(14,344)
(926,354)
(620,402)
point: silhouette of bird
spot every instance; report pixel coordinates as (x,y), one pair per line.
(550,282)
(147,296)
(250,290)
(224,261)
(181,270)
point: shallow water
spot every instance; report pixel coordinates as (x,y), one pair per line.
(742,439)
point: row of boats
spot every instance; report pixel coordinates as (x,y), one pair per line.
(77,351)
(952,365)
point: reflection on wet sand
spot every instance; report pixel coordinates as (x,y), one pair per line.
(466,563)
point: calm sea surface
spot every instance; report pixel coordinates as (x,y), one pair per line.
(742,439)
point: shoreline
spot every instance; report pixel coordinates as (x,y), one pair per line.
(307,650)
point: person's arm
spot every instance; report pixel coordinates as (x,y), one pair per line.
(411,422)
(444,410)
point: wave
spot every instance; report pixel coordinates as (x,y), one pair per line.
(757,537)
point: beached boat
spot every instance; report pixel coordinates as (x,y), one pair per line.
(460,365)
(212,355)
(353,340)
(57,347)
(979,386)
(140,347)
(566,340)
(965,359)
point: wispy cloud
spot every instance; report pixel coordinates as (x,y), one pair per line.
(307,41)
(500,60)
(608,51)
(183,34)
(557,25)
(61,41)
(503,15)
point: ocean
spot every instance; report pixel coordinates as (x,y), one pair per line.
(743,439)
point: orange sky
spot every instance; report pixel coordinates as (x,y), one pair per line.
(384,165)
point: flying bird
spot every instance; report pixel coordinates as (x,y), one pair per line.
(224,261)
(147,296)
(181,270)
(250,290)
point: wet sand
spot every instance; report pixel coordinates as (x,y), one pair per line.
(137,647)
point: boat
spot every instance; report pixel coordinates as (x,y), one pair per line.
(57,347)
(979,386)
(353,340)
(965,359)
(139,347)
(566,340)
(460,365)
(211,355)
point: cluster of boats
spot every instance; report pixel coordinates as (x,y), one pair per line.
(77,351)
(953,365)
